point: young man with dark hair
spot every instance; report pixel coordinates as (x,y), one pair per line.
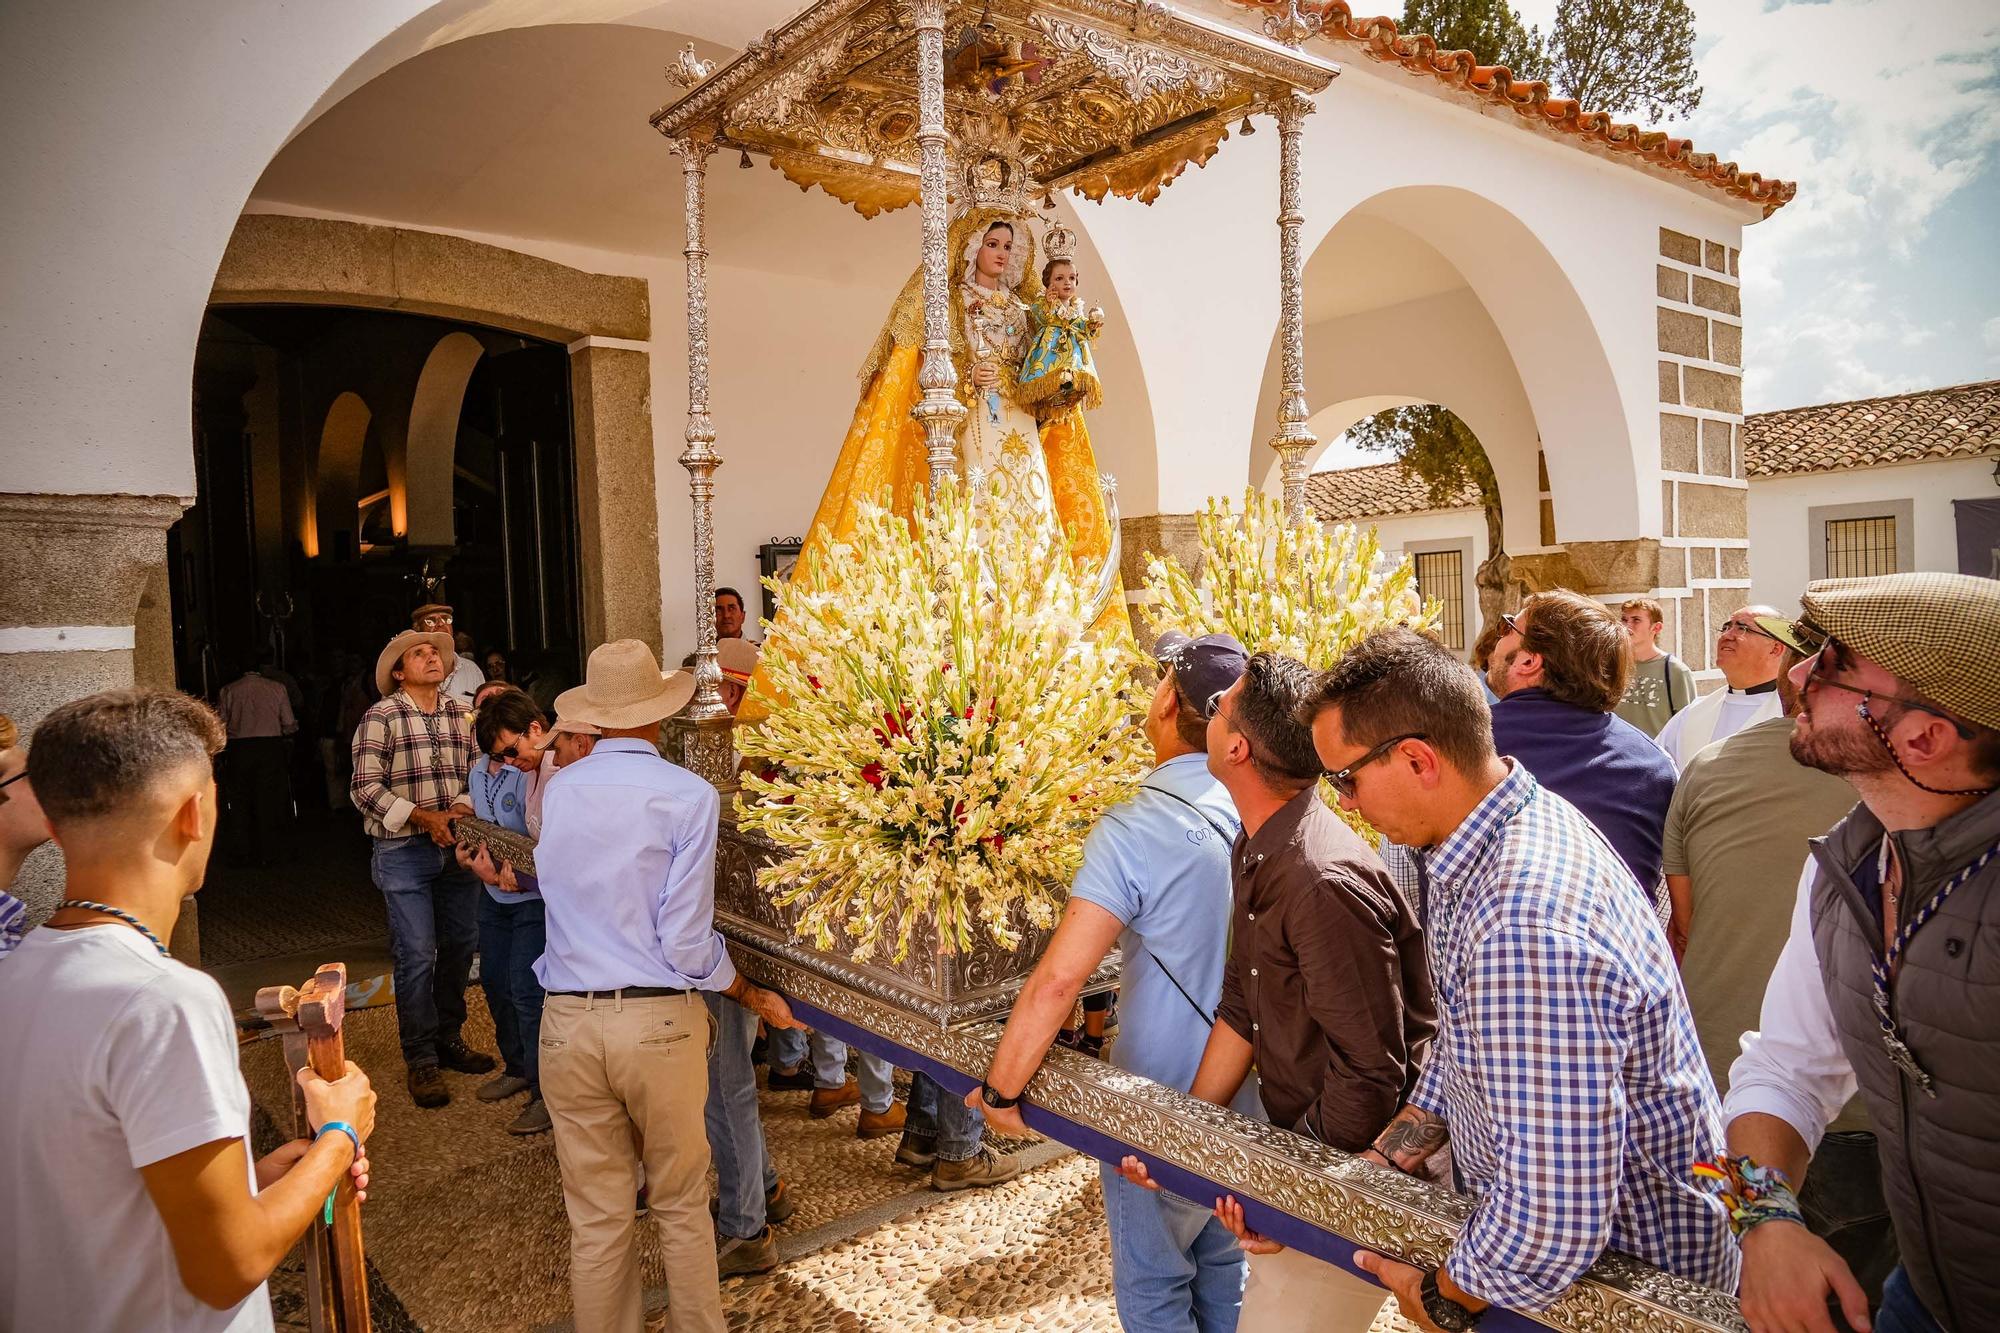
(1155,882)
(1326,991)
(131,1198)
(1559,670)
(1887,980)
(1566,1072)
(411,755)
(729,614)
(1661,684)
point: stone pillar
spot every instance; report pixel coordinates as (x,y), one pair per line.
(70,616)
(618,523)
(1704,493)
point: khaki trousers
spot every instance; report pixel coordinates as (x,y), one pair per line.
(615,1072)
(1292,1292)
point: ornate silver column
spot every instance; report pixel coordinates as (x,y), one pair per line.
(709,752)
(939,410)
(1294,438)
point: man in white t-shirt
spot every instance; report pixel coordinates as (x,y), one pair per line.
(131,1200)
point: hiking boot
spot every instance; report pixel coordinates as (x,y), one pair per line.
(779,1205)
(534,1118)
(825,1101)
(918,1150)
(876,1125)
(500,1088)
(737,1257)
(427,1087)
(790,1080)
(983,1168)
(456,1056)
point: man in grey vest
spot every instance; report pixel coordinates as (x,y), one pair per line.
(1883,982)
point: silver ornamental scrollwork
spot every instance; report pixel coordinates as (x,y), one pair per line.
(1141,70)
(938,411)
(1342,1195)
(700,457)
(1294,438)
(1294,23)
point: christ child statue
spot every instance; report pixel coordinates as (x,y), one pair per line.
(1059,372)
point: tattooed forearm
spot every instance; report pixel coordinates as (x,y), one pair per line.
(1411,1137)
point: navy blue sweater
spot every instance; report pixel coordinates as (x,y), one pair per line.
(1599,763)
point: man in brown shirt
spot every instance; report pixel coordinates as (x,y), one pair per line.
(1327,991)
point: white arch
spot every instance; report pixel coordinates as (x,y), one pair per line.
(420,473)
(336,487)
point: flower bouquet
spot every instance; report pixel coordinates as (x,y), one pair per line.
(942,734)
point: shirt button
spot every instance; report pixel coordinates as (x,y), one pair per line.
(1253,971)
(1255,1028)
(1253,916)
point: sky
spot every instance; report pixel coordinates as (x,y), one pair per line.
(1883,275)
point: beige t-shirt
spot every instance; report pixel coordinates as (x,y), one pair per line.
(1656,691)
(1737,828)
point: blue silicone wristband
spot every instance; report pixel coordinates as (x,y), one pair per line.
(343,1127)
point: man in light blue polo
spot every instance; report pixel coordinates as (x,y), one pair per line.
(1154,880)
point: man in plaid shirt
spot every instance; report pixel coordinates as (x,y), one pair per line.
(412,752)
(1566,1070)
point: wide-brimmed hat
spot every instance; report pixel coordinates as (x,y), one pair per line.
(402,643)
(623,687)
(737,659)
(1936,631)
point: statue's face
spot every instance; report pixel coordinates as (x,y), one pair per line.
(1062,281)
(995,250)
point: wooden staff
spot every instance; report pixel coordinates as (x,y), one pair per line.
(309,1018)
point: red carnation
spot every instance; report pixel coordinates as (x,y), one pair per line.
(872,775)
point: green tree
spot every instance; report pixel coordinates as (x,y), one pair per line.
(1490,29)
(1433,443)
(1627,57)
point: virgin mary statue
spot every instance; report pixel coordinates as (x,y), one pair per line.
(1048,464)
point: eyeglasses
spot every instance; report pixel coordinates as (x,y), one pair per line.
(511,752)
(1816,676)
(436,619)
(8,782)
(1343,781)
(1513,625)
(1214,704)
(1745,627)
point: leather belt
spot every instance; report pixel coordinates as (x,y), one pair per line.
(625,992)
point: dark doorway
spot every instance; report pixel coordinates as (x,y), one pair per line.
(317,528)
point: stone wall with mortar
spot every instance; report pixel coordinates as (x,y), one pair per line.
(1704,496)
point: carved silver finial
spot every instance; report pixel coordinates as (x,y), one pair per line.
(690,69)
(1108,483)
(1293,23)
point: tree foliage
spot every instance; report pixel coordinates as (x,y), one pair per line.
(1625,57)
(1433,443)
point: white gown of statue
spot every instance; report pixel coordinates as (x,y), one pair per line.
(999,438)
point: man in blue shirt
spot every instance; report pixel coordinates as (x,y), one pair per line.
(1155,879)
(627,870)
(1559,669)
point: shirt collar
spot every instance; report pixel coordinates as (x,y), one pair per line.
(1766,688)
(1468,842)
(623,745)
(1282,828)
(1180,763)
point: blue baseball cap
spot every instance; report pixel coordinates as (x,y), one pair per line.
(1203,668)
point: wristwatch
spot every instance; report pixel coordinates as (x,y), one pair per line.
(1442,1310)
(993,1099)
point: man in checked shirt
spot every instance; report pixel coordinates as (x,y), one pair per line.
(1566,1070)
(411,754)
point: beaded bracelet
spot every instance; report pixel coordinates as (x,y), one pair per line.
(1753,1194)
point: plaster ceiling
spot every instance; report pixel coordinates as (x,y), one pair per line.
(1366,263)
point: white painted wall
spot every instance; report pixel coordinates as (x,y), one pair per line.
(1781,543)
(1397,534)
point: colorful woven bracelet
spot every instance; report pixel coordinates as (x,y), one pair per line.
(1753,1194)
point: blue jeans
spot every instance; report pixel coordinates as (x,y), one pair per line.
(1174,1267)
(433,926)
(1901,1311)
(877,1077)
(936,1114)
(743,1170)
(512,936)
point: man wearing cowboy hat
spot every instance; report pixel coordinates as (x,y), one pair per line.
(411,754)
(627,869)
(465,677)
(1887,980)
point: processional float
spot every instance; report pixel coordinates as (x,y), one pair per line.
(868,99)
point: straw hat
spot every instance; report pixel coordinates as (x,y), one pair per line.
(575,727)
(737,658)
(623,687)
(392,656)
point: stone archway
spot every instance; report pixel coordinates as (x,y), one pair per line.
(420,474)
(336,483)
(603,319)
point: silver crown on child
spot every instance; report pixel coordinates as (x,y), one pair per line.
(1058,241)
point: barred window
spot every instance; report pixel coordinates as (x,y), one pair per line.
(1441,576)
(1858,547)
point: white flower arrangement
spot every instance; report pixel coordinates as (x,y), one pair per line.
(943,732)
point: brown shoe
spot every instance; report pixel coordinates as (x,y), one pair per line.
(878,1126)
(825,1101)
(427,1087)
(737,1257)
(983,1168)
(918,1150)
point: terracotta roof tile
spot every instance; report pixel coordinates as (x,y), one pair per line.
(1419,54)
(1962,421)
(1376,492)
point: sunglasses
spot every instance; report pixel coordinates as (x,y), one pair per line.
(1513,625)
(4,784)
(1343,780)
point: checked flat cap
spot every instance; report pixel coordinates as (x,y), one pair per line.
(1939,632)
